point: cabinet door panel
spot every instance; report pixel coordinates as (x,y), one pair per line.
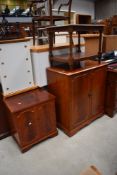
(81,98)
(98,81)
(26,126)
(36,123)
(46,119)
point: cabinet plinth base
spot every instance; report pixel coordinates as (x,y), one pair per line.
(4,135)
(71,132)
(28,147)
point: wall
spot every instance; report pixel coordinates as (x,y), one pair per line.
(105,8)
(81,6)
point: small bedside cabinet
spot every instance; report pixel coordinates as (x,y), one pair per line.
(31,117)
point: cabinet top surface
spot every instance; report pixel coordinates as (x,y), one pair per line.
(14,40)
(112,70)
(86,66)
(28,99)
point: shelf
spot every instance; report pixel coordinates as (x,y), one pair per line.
(71,58)
(75,57)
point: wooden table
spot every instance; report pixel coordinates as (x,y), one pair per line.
(70,58)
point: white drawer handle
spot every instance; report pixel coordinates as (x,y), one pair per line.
(30,123)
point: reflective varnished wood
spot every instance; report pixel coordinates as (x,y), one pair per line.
(79,95)
(14,40)
(31,117)
(111,93)
(71,57)
(4,126)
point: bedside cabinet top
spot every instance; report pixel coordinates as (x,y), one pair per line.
(28,99)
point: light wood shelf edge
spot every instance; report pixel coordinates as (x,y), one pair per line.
(14,40)
(45,48)
(19,92)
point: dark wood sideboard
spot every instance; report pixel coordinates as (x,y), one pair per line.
(111,93)
(72,58)
(4,126)
(80,94)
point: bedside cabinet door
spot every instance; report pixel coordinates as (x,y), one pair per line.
(27,126)
(36,124)
(46,119)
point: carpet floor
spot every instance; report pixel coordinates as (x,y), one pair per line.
(95,144)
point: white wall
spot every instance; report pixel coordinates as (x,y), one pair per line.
(81,6)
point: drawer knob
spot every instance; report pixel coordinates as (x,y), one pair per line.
(30,123)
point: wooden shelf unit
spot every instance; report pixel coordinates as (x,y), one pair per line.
(70,29)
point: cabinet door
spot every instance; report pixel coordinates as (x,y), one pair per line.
(36,123)
(98,81)
(46,120)
(81,98)
(26,130)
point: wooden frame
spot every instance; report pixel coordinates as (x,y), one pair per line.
(51,18)
(79,56)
